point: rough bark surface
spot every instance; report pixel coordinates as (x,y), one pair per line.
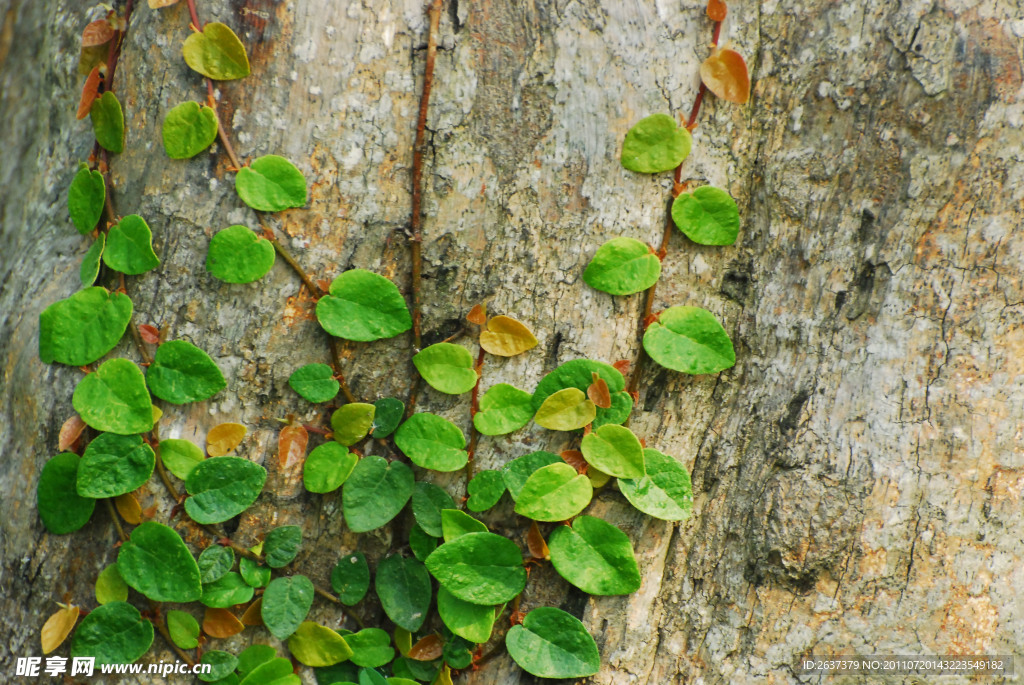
(858,475)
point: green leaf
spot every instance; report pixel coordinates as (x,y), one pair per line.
(503,409)
(363,306)
(432,442)
(554,493)
(707,216)
(665,492)
(595,556)
(553,644)
(181,373)
(227,591)
(457,653)
(108,122)
(286,602)
(655,143)
(90,268)
(615,451)
(156,562)
(110,586)
(216,53)
(214,562)
(222,488)
(254,656)
(485,490)
(352,422)
(188,130)
(238,255)
(180,456)
(578,373)
(222,663)
(421,543)
(345,673)
(415,670)
(403,586)
(316,645)
(428,500)
(371,648)
(253,573)
(456,523)
(130,247)
(271,184)
(375,493)
(566,410)
(327,467)
(114,633)
(480,568)
(282,545)
(472,622)
(517,471)
(622,406)
(690,340)
(114,399)
(387,417)
(446,367)
(623,266)
(86,197)
(184,629)
(350,578)
(114,464)
(61,508)
(315,382)
(84,327)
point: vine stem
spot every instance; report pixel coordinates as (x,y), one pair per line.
(474,408)
(344,609)
(117,521)
(160,623)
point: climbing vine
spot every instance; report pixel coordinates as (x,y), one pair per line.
(444,588)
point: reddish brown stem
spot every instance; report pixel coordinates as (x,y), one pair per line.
(474,408)
(195,16)
(692,121)
(114,52)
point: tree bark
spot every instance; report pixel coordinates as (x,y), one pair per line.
(857,474)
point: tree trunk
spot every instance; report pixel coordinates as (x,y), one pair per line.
(858,473)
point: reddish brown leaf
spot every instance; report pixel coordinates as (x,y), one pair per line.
(70,432)
(221,623)
(598,391)
(97,33)
(253,616)
(291,447)
(129,508)
(427,649)
(725,75)
(150,334)
(477,315)
(622,366)
(717,10)
(574,458)
(89,90)
(536,544)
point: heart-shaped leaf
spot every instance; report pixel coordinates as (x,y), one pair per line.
(403,586)
(108,122)
(286,602)
(432,442)
(595,556)
(222,488)
(655,143)
(60,507)
(180,456)
(114,399)
(282,545)
(238,255)
(227,591)
(315,382)
(725,74)
(216,53)
(446,367)
(130,247)
(363,306)
(690,340)
(352,422)
(317,646)
(517,471)
(566,410)
(665,492)
(253,573)
(615,451)
(271,184)
(188,130)
(371,648)
(114,633)
(214,563)
(428,501)
(84,327)
(181,372)
(375,493)
(351,578)
(554,493)
(222,665)
(110,586)
(253,656)
(579,373)
(456,523)
(707,216)
(507,337)
(327,467)
(90,269)
(156,562)
(553,644)
(623,266)
(183,628)
(387,417)
(472,622)
(503,409)
(86,196)
(485,490)
(114,464)
(480,568)
(224,438)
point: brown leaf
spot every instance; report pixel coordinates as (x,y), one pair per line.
(291,447)
(221,623)
(725,75)
(427,649)
(574,458)
(536,544)
(622,366)
(150,334)
(57,628)
(717,10)
(598,391)
(97,33)
(157,4)
(477,315)
(70,432)
(89,91)
(224,438)
(506,337)
(129,508)
(253,616)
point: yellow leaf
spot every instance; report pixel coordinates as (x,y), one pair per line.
(221,623)
(224,438)
(506,337)
(444,677)
(157,4)
(129,508)
(725,75)
(58,627)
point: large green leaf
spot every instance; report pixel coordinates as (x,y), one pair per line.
(222,488)
(315,382)
(188,130)
(690,340)
(553,644)
(456,523)
(554,493)
(114,633)
(595,556)
(517,471)
(472,622)
(566,410)
(130,247)
(281,545)
(216,53)
(707,216)
(89,271)
(480,568)
(351,578)
(375,493)
(352,422)
(316,645)
(156,562)
(428,500)
(108,122)
(655,143)
(180,456)
(432,442)
(614,450)
(114,464)
(503,409)
(214,562)
(227,591)
(239,255)
(181,372)
(578,373)
(363,306)
(327,467)
(86,196)
(446,367)
(623,266)
(371,648)
(286,602)
(271,184)
(60,507)
(665,492)
(115,399)
(485,490)
(84,327)
(403,586)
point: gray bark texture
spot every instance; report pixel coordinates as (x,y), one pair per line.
(858,474)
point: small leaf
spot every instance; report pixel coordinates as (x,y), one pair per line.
(157,4)
(86,197)
(188,129)
(363,306)
(108,122)
(387,417)
(375,493)
(114,633)
(403,640)
(224,438)
(725,74)
(222,665)
(403,586)
(599,393)
(129,247)
(553,644)
(566,410)
(595,556)
(115,399)
(614,450)
(432,442)
(90,269)
(480,568)
(503,409)
(291,451)
(536,544)
(665,492)
(517,471)
(352,422)
(456,523)
(708,216)
(84,327)
(579,373)
(58,627)
(221,623)
(716,10)
(156,562)
(129,509)
(506,337)
(253,573)
(222,488)
(282,545)
(180,456)
(317,646)
(431,646)
(286,603)
(655,143)
(238,255)
(60,507)
(183,628)
(251,617)
(110,586)
(90,58)
(271,184)
(690,340)
(98,32)
(428,501)
(315,382)
(477,315)
(554,493)
(89,92)
(623,266)
(371,648)
(351,578)
(485,490)
(327,467)
(70,431)
(447,367)
(216,53)
(471,622)
(182,373)
(214,563)
(149,334)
